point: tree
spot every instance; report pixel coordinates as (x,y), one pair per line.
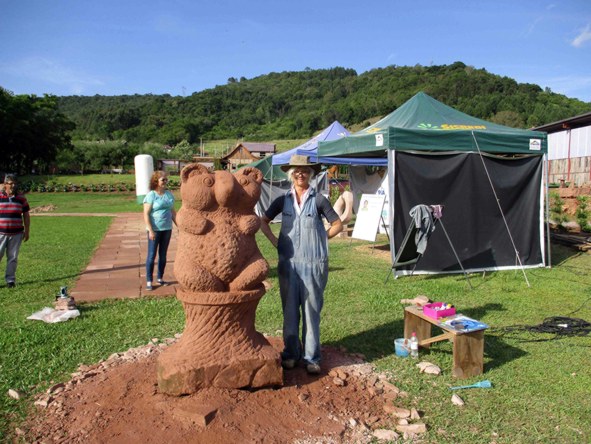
(76,158)
(297,104)
(32,131)
(183,151)
(508,118)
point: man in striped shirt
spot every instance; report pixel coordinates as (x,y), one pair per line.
(14,226)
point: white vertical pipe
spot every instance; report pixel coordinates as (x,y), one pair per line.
(144,168)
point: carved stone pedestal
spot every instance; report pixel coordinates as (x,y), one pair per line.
(219,346)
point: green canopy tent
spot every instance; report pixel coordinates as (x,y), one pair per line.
(274,184)
(425,124)
(488,177)
(270,172)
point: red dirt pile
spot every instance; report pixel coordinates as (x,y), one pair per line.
(117,401)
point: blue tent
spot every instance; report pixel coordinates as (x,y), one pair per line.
(275,180)
(310,148)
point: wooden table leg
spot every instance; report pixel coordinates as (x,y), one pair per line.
(421,327)
(468,354)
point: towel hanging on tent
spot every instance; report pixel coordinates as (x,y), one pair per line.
(423,216)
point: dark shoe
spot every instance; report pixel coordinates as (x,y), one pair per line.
(149,286)
(288,364)
(313,369)
(163,283)
(10,285)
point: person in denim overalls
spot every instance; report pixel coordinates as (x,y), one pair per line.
(303,261)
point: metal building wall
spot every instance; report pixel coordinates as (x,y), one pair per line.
(569,156)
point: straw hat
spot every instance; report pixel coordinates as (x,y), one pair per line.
(298,160)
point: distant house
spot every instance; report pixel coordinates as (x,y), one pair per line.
(175,166)
(247,152)
(207,161)
(171,166)
(569,149)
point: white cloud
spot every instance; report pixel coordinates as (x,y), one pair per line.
(532,26)
(391,57)
(583,37)
(51,72)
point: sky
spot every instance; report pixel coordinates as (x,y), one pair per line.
(178,47)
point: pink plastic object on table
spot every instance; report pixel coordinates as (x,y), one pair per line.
(434,311)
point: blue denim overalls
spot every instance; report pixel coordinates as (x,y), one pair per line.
(303,273)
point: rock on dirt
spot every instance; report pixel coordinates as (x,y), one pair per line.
(14,394)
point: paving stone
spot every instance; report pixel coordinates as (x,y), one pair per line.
(117,270)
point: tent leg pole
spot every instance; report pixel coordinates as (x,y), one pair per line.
(456,255)
(390,271)
(548,249)
(385,227)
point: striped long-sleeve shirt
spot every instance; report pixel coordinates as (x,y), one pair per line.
(11,213)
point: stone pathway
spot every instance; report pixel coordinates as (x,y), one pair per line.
(117,269)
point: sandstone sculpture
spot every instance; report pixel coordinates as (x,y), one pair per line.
(220,271)
(344,208)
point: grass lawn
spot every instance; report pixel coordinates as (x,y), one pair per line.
(118,202)
(540,385)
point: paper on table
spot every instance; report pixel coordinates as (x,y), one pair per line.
(464,324)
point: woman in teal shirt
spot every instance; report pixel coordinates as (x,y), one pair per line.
(159,214)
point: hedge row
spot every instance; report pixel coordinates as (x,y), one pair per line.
(70,187)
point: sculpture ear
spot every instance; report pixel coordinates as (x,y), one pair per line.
(253,173)
(191,170)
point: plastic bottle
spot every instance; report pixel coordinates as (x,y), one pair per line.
(414,346)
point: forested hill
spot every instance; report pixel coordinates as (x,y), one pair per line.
(292,105)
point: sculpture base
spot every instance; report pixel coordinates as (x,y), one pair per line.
(219,346)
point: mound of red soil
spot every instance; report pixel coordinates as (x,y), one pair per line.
(117,401)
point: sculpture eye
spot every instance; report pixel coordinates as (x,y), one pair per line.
(208,181)
(244,181)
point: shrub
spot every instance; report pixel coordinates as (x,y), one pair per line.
(173,183)
(582,214)
(556,209)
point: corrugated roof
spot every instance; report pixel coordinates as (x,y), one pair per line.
(259,147)
(570,123)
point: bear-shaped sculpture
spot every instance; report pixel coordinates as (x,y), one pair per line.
(217,248)
(220,271)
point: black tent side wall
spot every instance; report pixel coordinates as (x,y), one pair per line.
(471,215)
